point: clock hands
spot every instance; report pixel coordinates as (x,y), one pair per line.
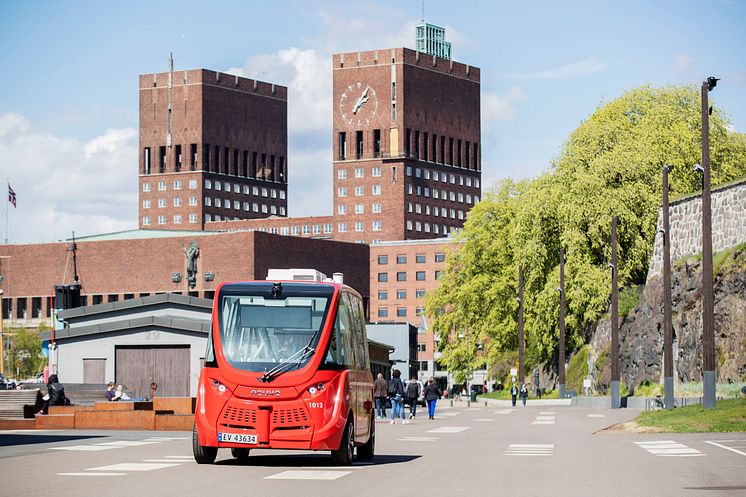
(360,101)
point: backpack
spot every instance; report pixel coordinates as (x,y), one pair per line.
(413,390)
(393,387)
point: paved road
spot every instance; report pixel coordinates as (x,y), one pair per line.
(531,451)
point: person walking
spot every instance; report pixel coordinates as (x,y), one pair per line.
(524,394)
(432,394)
(396,394)
(413,395)
(379,393)
(513,393)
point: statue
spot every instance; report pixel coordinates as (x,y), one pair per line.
(191,267)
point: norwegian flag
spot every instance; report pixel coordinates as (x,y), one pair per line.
(11,196)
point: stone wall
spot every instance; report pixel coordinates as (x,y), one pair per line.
(728,224)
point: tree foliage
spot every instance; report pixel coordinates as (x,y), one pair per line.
(24,356)
(610,165)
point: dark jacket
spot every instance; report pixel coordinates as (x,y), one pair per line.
(432,391)
(413,390)
(56,392)
(524,392)
(379,388)
(395,387)
(514,391)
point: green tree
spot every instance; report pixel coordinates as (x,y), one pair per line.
(610,165)
(24,357)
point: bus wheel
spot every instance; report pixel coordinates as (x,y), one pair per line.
(240,454)
(343,455)
(202,454)
(366,451)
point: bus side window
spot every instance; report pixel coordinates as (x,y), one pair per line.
(361,338)
(339,351)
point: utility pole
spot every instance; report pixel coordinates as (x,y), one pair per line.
(667,325)
(561,290)
(615,393)
(708,305)
(520,324)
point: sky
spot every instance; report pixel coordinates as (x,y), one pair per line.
(69,84)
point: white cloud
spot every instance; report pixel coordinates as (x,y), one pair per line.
(310,183)
(496,107)
(582,68)
(683,62)
(63,184)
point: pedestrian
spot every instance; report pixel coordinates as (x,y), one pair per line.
(432,394)
(524,393)
(513,393)
(110,391)
(379,393)
(413,395)
(56,393)
(396,394)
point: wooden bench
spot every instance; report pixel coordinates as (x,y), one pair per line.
(20,403)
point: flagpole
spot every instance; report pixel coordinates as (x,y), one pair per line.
(6,212)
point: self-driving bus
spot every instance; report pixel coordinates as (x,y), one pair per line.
(286,367)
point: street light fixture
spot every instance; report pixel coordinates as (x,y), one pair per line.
(668,399)
(708,305)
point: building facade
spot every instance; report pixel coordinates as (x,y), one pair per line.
(212,147)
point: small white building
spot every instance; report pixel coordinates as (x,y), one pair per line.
(160,338)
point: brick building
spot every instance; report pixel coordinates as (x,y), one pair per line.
(123,266)
(212,147)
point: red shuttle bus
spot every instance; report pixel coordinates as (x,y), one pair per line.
(286,367)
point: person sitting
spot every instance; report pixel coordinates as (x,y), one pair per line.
(56,393)
(120,394)
(110,391)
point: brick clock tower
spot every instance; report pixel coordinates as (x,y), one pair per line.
(406,144)
(212,147)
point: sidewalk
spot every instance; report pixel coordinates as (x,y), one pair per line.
(506,403)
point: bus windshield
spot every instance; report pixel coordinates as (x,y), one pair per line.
(259,332)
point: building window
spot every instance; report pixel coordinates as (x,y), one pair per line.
(146,220)
(341,191)
(146,160)
(208,201)
(218,202)
(376,189)
(401,294)
(161,219)
(162,160)
(383,259)
(359,226)
(409,225)
(421,347)
(358,144)
(146,204)
(161,186)
(146,187)
(383,295)
(295,231)
(383,312)
(177,201)
(192,201)
(327,229)
(376,143)
(419,293)
(193,218)
(341,173)
(359,191)
(438,275)
(420,258)
(342,209)
(377,208)
(401,312)
(342,145)
(177,185)
(161,203)
(375,172)
(359,209)
(440,257)
(401,259)
(401,276)
(177,218)
(342,227)
(383,277)
(420,275)
(376,225)
(359,172)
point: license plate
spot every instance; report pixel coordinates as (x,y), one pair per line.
(237,438)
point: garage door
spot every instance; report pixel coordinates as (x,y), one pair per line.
(137,366)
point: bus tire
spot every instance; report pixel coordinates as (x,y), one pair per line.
(202,453)
(343,455)
(366,451)
(240,454)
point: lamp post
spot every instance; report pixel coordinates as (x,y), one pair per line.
(520,324)
(615,393)
(561,291)
(667,325)
(708,312)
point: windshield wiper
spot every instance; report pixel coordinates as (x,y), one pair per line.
(294,360)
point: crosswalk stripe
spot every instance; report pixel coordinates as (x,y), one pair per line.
(91,474)
(529,450)
(418,439)
(668,448)
(134,466)
(308,475)
(449,429)
(86,448)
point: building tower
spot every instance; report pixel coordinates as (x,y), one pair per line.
(406,134)
(212,147)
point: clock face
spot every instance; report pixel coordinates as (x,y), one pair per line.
(358,104)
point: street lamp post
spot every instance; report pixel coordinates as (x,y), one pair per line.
(708,313)
(561,290)
(615,393)
(520,324)
(667,325)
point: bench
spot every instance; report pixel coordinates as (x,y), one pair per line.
(20,403)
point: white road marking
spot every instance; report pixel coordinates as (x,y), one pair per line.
(126,443)
(180,457)
(308,475)
(86,448)
(548,413)
(134,466)
(668,448)
(418,439)
(597,415)
(541,450)
(544,418)
(170,461)
(484,419)
(503,411)
(449,429)
(91,474)
(543,423)
(450,414)
(726,447)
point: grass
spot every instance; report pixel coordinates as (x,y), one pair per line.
(727,415)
